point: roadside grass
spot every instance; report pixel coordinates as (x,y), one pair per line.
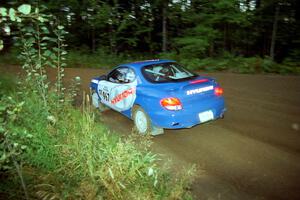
(101,59)
(8,83)
(227,62)
(68,155)
(236,64)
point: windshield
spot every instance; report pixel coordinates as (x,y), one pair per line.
(166,72)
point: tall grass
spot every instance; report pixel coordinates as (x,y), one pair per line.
(114,167)
(71,156)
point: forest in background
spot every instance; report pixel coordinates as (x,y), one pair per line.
(244,33)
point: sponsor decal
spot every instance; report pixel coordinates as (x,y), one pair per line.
(123,95)
(200,90)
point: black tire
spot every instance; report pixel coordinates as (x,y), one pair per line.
(95,101)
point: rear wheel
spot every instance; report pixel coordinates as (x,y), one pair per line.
(143,123)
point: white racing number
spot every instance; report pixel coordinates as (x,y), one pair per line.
(103,92)
(104,95)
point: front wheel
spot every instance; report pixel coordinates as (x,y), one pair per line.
(96,102)
(143,124)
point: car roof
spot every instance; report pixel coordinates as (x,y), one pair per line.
(140,64)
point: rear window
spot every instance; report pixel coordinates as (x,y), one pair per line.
(167,72)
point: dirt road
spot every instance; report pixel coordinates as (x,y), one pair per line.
(254,153)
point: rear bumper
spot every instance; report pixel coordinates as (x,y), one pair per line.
(189,115)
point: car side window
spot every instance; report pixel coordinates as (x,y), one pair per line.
(121,75)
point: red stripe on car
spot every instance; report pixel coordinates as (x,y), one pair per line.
(199,81)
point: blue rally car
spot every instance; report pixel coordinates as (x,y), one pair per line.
(158,95)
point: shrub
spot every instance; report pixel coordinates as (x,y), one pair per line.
(236,64)
(99,59)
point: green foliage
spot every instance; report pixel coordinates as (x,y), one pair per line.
(3,12)
(24,9)
(41,49)
(42,152)
(40,128)
(1,45)
(34,39)
(195,28)
(237,64)
(99,59)
(213,28)
(114,166)
(74,149)
(24,122)
(39,46)
(292,61)
(197,42)
(228,11)
(83,59)
(7,84)
(12,142)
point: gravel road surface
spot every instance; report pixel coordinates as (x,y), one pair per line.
(254,153)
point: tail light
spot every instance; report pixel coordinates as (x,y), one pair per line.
(171,103)
(218,91)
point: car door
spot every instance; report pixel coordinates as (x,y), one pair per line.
(118,91)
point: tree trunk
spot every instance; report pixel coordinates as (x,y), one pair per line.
(274,32)
(112,40)
(211,50)
(225,37)
(164,29)
(257,4)
(93,40)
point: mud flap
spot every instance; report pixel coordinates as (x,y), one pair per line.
(156,131)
